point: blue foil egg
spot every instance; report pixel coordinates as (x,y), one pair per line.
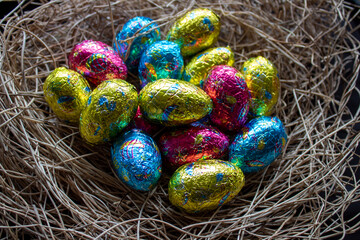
(139,44)
(162,60)
(258,144)
(136,160)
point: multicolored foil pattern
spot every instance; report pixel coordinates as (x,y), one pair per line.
(258,144)
(196,30)
(97,62)
(136,160)
(66,92)
(110,108)
(139,122)
(197,69)
(227,88)
(137,25)
(205,185)
(173,102)
(262,79)
(161,60)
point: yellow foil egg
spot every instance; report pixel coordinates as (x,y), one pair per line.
(66,92)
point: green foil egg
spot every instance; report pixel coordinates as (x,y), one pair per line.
(198,67)
(205,185)
(196,30)
(110,108)
(173,102)
(66,92)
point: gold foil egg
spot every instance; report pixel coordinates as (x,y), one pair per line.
(66,92)
(110,108)
(205,185)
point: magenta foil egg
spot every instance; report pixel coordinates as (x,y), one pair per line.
(139,122)
(97,62)
(227,89)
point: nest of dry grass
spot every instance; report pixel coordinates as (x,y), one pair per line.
(53,185)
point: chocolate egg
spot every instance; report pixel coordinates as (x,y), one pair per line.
(161,60)
(205,185)
(136,160)
(66,92)
(258,144)
(197,69)
(147,33)
(141,123)
(97,62)
(227,88)
(262,79)
(196,30)
(110,108)
(173,102)
(192,144)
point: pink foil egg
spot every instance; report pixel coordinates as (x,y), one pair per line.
(139,122)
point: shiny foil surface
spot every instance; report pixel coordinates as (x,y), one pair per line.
(173,102)
(138,45)
(195,31)
(110,108)
(262,79)
(205,185)
(258,144)
(136,160)
(197,69)
(227,88)
(161,60)
(141,123)
(192,144)
(97,62)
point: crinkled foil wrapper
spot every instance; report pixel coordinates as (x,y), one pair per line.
(97,62)
(258,144)
(192,144)
(140,122)
(227,88)
(161,60)
(110,108)
(195,31)
(136,160)
(66,92)
(173,102)
(197,69)
(262,79)
(205,185)
(139,44)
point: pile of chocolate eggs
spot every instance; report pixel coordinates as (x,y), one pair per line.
(195,109)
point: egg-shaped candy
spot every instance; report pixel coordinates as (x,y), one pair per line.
(66,92)
(147,32)
(161,60)
(196,30)
(258,144)
(110,108)
(262,79)
(197,69)
(192,144)
(173,102)
(136,160)
(205,185)
(141,123)
(97,62)
(227,88)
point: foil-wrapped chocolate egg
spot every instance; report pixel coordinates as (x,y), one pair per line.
(205,185)
(141,123)
(161,60)
(262,79)
(258,144)
(196,30)
(136,160)
(173,102)
(227,88)
(110,108)
(66,92)
(147,33)
(192,144)
(197,69)
(97,62)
